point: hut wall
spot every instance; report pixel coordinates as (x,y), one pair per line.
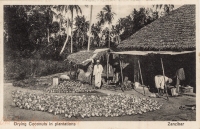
(151,66)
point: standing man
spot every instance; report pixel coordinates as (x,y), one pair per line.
(180,78)
(98,69)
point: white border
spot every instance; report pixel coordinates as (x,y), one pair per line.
(109,124)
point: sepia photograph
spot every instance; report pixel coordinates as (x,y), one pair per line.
(99,63)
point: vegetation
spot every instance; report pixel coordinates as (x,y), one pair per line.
(34,40)
(18,69)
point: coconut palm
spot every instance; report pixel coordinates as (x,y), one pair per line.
(81,27)
(96,32)
(63,9)
(101,18)
(108,17)
(90,25)
(68,9)
(71,8)
(116,32)
(96,29)
(48,15)
(167,8)
(49,12)
(61,19)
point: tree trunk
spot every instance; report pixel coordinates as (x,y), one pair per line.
(90,28)
(47,34)
(72,33)
(66,38)
(60,26)
(109,37)
(83,40)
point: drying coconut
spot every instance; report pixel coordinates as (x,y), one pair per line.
(85,106)
(69,87)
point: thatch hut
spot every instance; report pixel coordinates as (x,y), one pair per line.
(173,34)
(84,60)
(175,31)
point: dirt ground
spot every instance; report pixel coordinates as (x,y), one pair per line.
(169,111)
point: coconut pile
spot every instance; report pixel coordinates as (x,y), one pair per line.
(112,105)
(118,87)
(70,87)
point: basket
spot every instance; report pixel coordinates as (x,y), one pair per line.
(187,89)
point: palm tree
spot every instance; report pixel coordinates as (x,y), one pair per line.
(81,27)
(49,18)
(64,9)
(116,32)
(167,8)
(96,32)
(71,9)
(101,18)
(90,27)
(47,11)
(61,19)
(108,17)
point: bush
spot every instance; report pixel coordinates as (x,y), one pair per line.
(19,69)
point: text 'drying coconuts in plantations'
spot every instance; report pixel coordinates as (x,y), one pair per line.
(44,123)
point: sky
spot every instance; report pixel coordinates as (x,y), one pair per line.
(120,10)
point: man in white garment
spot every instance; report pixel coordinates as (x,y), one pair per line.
(98,69)
(160,82)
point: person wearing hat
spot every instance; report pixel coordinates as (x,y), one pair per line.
(98,69)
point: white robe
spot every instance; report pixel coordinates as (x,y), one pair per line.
(97,73)
(160,81)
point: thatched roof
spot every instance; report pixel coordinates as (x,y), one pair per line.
(84,57)
(175,31)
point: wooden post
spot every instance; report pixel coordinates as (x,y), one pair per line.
(55,81)
(107,70)
(92,74)
(120,62)
(164,79)
(76,69)
(136,71)
(141,76)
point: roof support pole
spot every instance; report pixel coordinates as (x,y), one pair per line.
(120,63)
(141,76)
(77,67)
(165,87)
(136,69)
(107,67)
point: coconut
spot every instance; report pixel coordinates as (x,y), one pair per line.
(112,105)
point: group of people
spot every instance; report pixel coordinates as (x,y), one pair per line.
(97,73)
(160,80)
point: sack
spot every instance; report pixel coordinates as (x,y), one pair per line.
(136,84)
(173,91)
